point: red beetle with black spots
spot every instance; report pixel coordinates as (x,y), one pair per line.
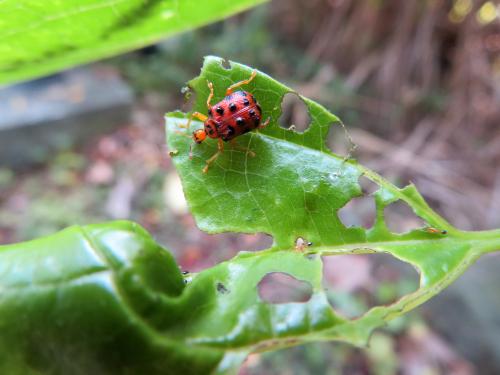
(238,113)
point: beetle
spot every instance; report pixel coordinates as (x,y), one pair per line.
(238,113)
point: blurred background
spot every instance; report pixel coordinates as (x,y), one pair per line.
(416,82)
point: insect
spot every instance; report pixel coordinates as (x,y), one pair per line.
(238,113)
(301,244)
(435,231)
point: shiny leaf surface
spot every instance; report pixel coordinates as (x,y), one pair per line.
(91,300)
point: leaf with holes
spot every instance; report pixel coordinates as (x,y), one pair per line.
(41,37)
(106,298)
(292,189)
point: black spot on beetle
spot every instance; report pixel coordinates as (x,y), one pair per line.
(246,102)
(219,110)
(256,121)
(230,130)
(243,93)
(233,107)
(252,113)
(240,121)
(222,289)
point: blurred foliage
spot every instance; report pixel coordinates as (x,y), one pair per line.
(39,37)
(172,63)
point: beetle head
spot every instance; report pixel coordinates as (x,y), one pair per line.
(199,135)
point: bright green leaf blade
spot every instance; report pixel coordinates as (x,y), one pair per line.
(41,37)
(293,188)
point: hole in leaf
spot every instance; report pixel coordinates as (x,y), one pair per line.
(367,185)
(279,287)
(400,218)
(356,283)
(294,114)
(339,140)
(251,242)
(358,212)
(202,250)
(189,98)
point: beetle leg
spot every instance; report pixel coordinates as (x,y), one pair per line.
(264,124)
(235,145)
(231,88)
(220,146)
(182,133)
(196,115)
(211,95)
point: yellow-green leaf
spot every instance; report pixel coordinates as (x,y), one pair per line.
(39,37)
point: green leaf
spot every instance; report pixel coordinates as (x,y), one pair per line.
(293,188)
(107,299)
(40,37)
(94,300)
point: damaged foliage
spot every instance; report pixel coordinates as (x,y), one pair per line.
(107,299)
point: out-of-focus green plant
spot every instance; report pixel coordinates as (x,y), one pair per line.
(173,62)
(41,37)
